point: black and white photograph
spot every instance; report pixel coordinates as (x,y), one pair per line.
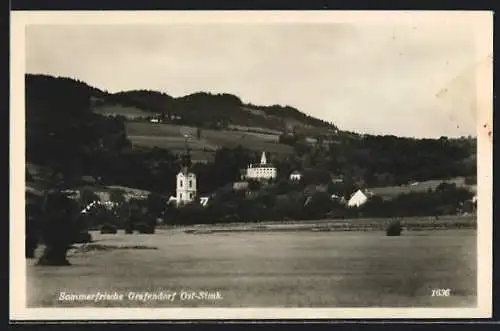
(226,165)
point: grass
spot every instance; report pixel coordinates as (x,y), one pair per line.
(392,191)
(285,269)
(448,222)
(172,137)
(127,111)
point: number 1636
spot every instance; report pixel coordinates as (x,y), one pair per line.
(441,292)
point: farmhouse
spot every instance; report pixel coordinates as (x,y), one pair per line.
(295,175)
(359,198)
(262,170)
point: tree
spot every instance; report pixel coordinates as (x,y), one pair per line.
(315,176)
(394,229)
(117,196)
(319,204)
(87,196)
(59,228)
(62,132)
(254,185)
(33,215)
(156,205)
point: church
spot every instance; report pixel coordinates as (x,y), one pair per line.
(186,188)
(262,170)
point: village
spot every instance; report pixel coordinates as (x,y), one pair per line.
(264,173)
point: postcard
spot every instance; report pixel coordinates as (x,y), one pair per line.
(176,165)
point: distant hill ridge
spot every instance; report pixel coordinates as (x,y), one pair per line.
(198,109)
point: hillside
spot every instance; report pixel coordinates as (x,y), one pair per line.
(226,121)
(198,109)
(171,137)
(68,127)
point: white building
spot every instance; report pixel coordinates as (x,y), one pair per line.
(186,187)
(357,199)
(295,175)
(262,170)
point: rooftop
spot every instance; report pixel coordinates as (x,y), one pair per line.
(261,165)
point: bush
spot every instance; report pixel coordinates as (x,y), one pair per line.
(394,229)
(83,238)
(108,229)
(145,228)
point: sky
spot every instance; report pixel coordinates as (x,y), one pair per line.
(401,79)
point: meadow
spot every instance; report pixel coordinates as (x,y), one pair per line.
(268,269)
(171,137)
(120,110)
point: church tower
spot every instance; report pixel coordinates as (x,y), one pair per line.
(186,180)
(263,159)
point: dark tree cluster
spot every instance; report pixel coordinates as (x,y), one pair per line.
(265,204)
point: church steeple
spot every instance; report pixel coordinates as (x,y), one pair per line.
(186,157)
(186,191)
(263,159)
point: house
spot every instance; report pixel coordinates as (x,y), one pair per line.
(338,179)
(262,170)
(295,175)
(358,199)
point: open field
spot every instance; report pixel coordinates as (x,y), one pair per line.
(285,269)
(392,191)
(413,224)
(254,129)
(171,137)
(126,111)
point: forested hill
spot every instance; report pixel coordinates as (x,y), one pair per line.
(197,109)
(63,134)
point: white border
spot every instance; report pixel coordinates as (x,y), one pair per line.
(483,24)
